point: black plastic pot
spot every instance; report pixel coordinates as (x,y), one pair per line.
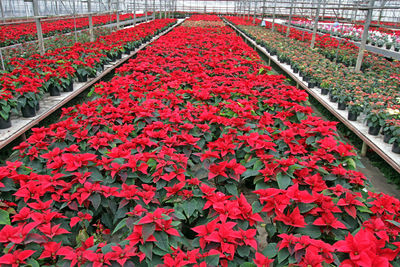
(333,98)
(69,87)
(374,130)
(28,111)
(341,105)
(387,136)
(37,108)
(324,91)
(352,116)
(127,51)
(82,78)
(396,148)
(54,91)
(118,56)
(396,49)
(295,70)
(311,84)
(4,124)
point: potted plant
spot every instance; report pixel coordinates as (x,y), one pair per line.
(395,140)
(397,45)
(375,120)
(7,102)
(343,98)
(380,42)
(388,45)
(391,123)
(355,108)
(28,103)
(82,73)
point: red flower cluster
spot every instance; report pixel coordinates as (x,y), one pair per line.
(22,32)
(152,171)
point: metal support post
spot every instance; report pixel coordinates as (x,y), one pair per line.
(248,11)
(364,149)
(315,24)
(145,10)
(364,37)
(263,10)
(134,12)
(118,26)
(273,16)
(2,11)
(38,26)
(91,33)
(160,13)
(255,9)
(290,18)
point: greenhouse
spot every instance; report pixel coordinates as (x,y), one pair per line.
(200,133)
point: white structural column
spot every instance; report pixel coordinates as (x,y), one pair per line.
(89,7)
(290,17)
(134,12)
(273,16)
(145,10)
(2,11)
(255,9)
(38,26)
(364,37)
(315,24)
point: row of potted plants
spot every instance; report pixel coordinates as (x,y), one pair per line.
(353,32)
(27,79)
(22,32)
(151,171)
(360,93)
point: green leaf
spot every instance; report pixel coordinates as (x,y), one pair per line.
(394,223)
(243,251)
(162,241)
(212,260)
(4,217)
(256,207)
(270,250)
(271,229)
(310,230)
(120,225)
(148,230)
(250,173)
(96,200)
(147,249)
(248,264)
(282,255)
(189,207)
(283,180)
(232,189)
(32,262)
